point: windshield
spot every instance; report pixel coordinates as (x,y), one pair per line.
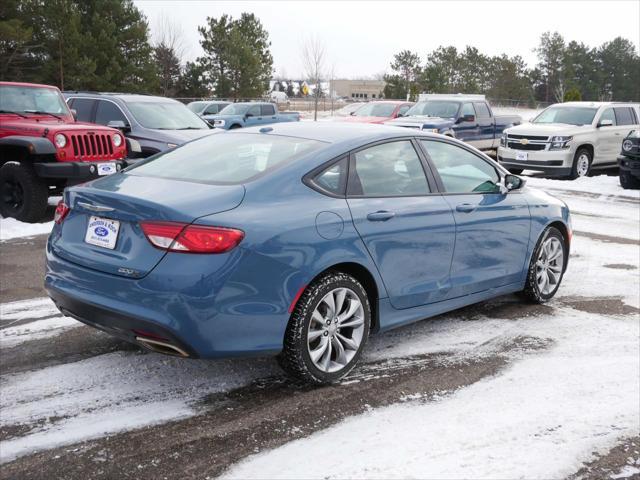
(435,108)
(234,109)
(29,99)
(375,110)
(568,115)
(226,158)
(197,107)
(166,116)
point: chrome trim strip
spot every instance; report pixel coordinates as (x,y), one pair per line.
(95,208)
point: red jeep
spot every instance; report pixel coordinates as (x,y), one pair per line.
(43,149)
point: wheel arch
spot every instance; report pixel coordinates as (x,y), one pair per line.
(564,231)
(589,147)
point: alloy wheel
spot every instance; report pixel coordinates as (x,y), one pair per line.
(336,330)
(549,265)
(582,167)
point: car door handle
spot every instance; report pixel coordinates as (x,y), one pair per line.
(380,216)
(466,207)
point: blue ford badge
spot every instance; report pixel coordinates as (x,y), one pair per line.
(101,231)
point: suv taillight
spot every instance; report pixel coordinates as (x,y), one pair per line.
(185,238)
(61,212)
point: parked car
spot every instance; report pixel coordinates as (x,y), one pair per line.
(156,123)
(207,107)
(629,161)
(43,149)
(379,111)
(466,117)
(569,139)
(248,114)
(278,97)
(274,249)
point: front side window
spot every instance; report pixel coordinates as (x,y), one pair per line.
(166,115)
(388,170)
(467,109)
(235,109)
(196,107)
(608,114)
(482,110)
(460,170)
(226,159)
(211,109)
(404,109)
(108,112)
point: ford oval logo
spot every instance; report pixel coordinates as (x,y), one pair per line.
(101,231)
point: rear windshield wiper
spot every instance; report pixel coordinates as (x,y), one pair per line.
(40,112)
(15,113)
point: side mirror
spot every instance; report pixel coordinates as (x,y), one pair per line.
(247,115)
(119,124)
(511,182)
(400,115)
(467,118)
(352,113)
(605,123)
(74,113)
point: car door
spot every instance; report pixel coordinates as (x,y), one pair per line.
(492,228)
(268,113)
(408,230)
(467,130)
(486,126)
(609,138)
(254,116)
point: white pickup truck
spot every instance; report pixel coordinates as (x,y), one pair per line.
(569,139)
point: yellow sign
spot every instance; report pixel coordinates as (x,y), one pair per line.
(305,89)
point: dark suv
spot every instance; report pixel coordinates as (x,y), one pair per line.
(156,123)
(629,161)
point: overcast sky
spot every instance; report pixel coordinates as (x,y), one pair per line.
(361,37)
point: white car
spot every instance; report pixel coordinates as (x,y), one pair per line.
(569,139)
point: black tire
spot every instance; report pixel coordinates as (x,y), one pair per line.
(233,127)
(295,358)
(628,181)
(576,171)
(23,195)
(531,290)
(516,171)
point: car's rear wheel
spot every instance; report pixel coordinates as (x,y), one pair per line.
(23,195)
(628,181)
(546,268)
(581,164)
(328,329)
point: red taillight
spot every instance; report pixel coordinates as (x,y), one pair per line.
(61,212)
(181,237)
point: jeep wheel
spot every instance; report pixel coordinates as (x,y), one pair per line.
(23,195)
(328,329)
(581,164)
(516,171)
(628,181)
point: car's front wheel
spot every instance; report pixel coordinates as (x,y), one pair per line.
(628,181)
(546,268)
(581,164)
(328,329)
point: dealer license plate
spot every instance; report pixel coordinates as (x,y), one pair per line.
(102,232)
(521,156)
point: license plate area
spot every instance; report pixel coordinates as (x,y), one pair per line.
(106,169)
(522,156)
(102,232)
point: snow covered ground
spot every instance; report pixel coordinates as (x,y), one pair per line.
(542,416)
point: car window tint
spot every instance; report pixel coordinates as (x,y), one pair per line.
(624,116)
(226,158)
(333,179)
(388,170)
(268,110)
(467,109)
(460,170)
(254,110)
(482,109)
(83,108)
(108,112)
(608,115)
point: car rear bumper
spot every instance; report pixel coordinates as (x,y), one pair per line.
(631,165)
(205,311)
(81,171)
(557,162)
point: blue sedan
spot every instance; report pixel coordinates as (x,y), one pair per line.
(299,240)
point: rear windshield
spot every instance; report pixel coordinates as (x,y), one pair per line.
(226,157)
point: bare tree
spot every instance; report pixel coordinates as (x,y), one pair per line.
(169,52)
(313,61)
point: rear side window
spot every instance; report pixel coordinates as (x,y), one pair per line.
(268,110)
(482,110)
(83,108)
(624,116)
(108,112)
(388,170)
(226,159)
(460,170)
(333,179)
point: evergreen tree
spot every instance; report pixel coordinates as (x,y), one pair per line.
(620,64)
(551,60)
(406,65)
(17,44)
(169,70)
(192,83)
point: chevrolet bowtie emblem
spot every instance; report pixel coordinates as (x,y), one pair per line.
(524,141)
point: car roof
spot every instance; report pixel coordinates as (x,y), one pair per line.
(32,85)
(334,132)
(126,97)
(592,104)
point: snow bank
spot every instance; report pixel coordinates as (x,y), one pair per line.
(12,228)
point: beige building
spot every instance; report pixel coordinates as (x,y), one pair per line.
(358,89)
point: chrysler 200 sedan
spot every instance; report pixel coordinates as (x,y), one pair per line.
(299,240)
